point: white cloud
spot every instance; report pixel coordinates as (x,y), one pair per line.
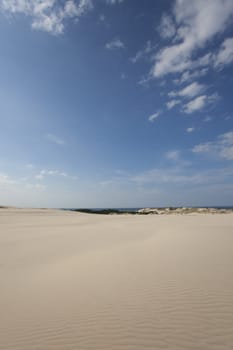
(177,174)
(53,138)
(181,176)
(39,177)
(198,22)
(227,153)
(72,9)
(47,15)
(167,28)
(144,81)
(172,103)
(196,104)
(154,116)
(10,183)
(173,155)
(222,147)
(225,54)
(142,53)
(187,75)
(191,129)
(199,103)
(43,173)
(191,90)
(227,138)
(202,148)
(115,44)
(113,2)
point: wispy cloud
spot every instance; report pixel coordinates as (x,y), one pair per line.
(145,80)
(55,139)
(225,54)
(154,116)
(190,129)
(167,28)
(6,180)
(196,104)
(142,53)
(185,34)
(222,147)
(207,119)
(35,180)
(115,44)
(188,91)
(29,166)
(42,174)
(193,32)
(190,76)
(171,104)
(176,174)
(199,103)
(173,155)
(47,15)
(113,2)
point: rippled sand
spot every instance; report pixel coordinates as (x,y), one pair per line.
(73,281)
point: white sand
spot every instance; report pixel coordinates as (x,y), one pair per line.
(79,281)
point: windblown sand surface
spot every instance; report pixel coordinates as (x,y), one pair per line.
(78,281)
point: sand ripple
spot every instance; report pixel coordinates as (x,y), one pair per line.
(170,289)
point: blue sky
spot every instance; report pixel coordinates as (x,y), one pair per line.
(116,103)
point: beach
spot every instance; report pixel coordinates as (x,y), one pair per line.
(82,281)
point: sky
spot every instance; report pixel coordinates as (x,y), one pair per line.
(116,103)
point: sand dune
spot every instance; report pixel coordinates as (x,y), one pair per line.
(78,281)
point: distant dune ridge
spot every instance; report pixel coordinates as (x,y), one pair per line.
(158,211)
(115,282)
